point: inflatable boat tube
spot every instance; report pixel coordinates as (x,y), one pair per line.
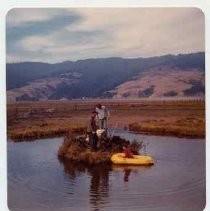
(119,158)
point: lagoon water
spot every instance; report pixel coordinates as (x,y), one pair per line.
(39,181)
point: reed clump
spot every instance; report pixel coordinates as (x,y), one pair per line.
(77,149)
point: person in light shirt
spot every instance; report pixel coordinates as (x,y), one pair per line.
(102,114)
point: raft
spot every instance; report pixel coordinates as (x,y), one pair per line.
(119,158)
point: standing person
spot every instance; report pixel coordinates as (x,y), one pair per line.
(93,127)
(103,114)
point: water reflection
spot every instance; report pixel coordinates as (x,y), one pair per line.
(128,170)
(99,178)
(127,174)
(99,185)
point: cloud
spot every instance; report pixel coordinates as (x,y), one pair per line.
(22,16)
(72,34)
(147,32)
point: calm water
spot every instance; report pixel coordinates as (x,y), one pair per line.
(37,180)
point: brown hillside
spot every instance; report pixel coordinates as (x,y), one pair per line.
(160,82)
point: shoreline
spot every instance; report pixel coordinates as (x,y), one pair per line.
(169,135)
(185,119)
(34,135)
(168,129)
(21,137)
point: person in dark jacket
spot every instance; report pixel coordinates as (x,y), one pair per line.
(93,128)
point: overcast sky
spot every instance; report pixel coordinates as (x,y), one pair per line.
(56,35)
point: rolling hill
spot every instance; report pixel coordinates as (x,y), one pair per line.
(165,76)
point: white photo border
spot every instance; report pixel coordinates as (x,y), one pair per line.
(7,5)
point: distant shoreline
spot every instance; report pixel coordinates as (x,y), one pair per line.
(142,99)
(27,121)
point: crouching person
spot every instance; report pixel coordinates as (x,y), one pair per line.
(102,139)
(93,127)
(127,151)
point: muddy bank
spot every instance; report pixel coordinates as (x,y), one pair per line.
(77,149)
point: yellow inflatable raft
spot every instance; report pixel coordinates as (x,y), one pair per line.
(119,158)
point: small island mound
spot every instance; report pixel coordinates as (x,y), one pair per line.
(78,149)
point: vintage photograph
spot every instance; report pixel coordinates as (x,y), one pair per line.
(106,109)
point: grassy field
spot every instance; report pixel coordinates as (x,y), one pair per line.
(26,121)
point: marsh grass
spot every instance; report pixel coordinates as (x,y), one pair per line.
(185,127)
(30,120)
(29,133)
